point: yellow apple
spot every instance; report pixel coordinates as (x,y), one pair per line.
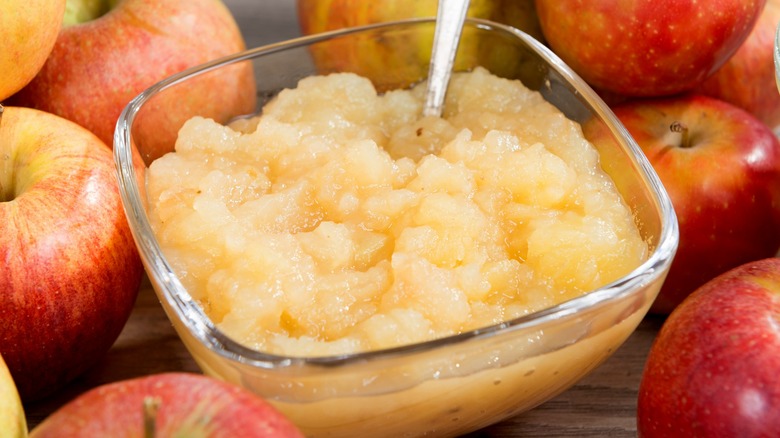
(410,62)
(12,420)
(28,30)
(321,15)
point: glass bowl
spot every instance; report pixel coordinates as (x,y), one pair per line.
(777,57)
(441,387)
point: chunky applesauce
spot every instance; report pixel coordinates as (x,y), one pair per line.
(341,220)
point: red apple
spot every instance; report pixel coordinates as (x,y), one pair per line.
(12,420)
(712,369)
(172,404)
(98,66)
(646,47)
(747,79)
(28,30)
(71,271)
(722,171)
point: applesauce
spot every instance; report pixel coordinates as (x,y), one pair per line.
(341,220)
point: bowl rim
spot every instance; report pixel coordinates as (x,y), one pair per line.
(776,55)
(191,314)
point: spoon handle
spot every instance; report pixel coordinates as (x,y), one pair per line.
(449,24)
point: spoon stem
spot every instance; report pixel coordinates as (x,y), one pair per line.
(449,23)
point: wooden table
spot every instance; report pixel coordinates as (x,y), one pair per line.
(601,405)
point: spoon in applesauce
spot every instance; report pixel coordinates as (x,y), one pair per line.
(450,17)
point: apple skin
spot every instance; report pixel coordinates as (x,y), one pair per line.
(409,59)
(80,11)
(71,271)
(188,405)
(712,369)
(646,48)
(724,184)
(316,16)
(754,60)
(29,30)
(13,423)
(97,67)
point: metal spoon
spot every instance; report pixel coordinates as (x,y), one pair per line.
(449,24)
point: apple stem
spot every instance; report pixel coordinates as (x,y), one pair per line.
(151,405)
(680,127)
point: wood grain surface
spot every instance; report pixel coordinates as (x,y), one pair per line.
(603,404)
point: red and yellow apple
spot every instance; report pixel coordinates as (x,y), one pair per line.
(721,168)
(28,30)
(98,66)
(712,369)
(407,59)
(13,423)
(316,16)
(646,47)
(168,405)
(71,271)
(747,79)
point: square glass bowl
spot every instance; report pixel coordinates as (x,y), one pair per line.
(441,387)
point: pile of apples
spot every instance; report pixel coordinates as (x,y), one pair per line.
(71,271)
(694,84)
